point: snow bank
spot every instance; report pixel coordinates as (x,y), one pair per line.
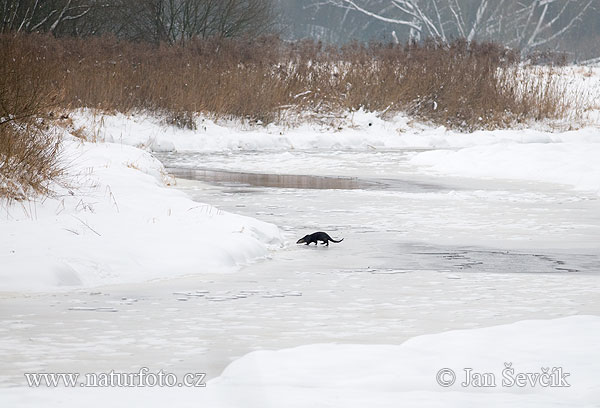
(120,223)
(353,130)
(357,130)
(572,164)
(405,375)
(360,130)
(338,375)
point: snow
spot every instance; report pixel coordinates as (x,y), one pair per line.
(354,130)
(348,375)
(121,223)
(573,164)
(352,375)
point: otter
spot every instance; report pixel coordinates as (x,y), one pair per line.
(317,236)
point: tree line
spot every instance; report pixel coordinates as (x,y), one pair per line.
(172,21)
(528,25)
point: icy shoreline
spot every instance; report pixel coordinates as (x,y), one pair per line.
(121,223)
(565,157)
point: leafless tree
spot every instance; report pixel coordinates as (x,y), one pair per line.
(179,20)
(538,23)
(40,15)
(438,19)
(149,20)
(524,24)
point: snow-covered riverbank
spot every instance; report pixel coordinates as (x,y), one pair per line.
(120,222)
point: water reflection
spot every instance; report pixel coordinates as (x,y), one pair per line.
(272,180)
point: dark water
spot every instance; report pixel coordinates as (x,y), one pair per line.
(299,181)
(224,177)
(469,259)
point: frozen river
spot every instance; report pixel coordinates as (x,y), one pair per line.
(421,254)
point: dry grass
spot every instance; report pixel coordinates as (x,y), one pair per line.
(28,161)
(460,86)
(29,152)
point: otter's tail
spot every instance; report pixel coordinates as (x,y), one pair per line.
(337,242)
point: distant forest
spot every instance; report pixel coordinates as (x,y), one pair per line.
(569,26)
(339,21)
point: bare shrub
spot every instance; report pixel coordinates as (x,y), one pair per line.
(29,152)
(548,57)
(28,161)
(459,85)
(182,120)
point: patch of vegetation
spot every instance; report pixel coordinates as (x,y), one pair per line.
(29,152)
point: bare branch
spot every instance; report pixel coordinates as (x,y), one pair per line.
(354,6)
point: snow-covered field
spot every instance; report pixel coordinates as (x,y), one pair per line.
(464,251)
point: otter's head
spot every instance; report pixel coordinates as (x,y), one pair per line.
(303,240)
